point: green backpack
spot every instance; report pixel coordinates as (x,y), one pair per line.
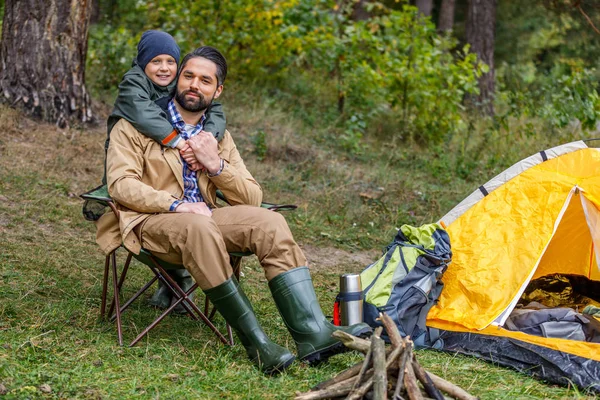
(405,282)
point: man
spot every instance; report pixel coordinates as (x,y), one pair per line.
(170,210)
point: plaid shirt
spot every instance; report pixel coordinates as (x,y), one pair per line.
(191,191)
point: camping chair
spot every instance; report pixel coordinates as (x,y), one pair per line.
(100,199)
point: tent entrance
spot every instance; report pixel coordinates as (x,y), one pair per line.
(572,250)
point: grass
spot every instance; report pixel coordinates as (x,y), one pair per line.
(52,344)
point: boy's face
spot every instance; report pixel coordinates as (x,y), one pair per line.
(162,69)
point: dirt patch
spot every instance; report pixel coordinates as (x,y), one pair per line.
(336,260)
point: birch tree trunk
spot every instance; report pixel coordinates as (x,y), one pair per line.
(42,54)
(481,27)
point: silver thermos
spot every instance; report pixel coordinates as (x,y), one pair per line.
(351,299)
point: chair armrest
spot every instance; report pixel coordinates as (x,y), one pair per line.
(95,202)
(99,194)
(269,206)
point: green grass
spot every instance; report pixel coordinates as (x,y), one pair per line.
(51,337)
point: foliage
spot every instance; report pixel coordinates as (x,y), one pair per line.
(110,54)
(392,66)
(393,63)
(547,56)
(251,33)
(396,62)
(544,32)
(260,144)
(567,94)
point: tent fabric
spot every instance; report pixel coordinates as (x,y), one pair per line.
(539,217)
(530,359)
(499,241)
(592,216)
(507,175)
(582,349)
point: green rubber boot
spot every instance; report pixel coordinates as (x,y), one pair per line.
(234,306)
(297,302)
(163,297)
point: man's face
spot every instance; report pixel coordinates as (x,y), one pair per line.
(197,86)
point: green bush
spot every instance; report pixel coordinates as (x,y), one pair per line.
(393,63)
(110,54)
(567,94)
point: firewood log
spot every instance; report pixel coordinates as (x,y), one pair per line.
(352,342)
(410,382)
(450,388)
(426,381)
(379,368)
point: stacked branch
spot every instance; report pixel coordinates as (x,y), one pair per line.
(391,372)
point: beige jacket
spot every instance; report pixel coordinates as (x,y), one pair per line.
(145,178)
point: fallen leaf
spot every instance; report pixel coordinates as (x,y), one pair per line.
(45,388)
(172,377)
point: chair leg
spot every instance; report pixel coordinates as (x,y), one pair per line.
(181,293)
(161,275)
(113,257)
(120,285)
(134,297)
(162,316)
(182,297)
(104,287)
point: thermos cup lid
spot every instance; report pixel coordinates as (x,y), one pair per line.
(350,283)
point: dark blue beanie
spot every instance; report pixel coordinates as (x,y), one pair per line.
(154,43)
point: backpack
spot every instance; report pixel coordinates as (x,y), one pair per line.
(405,282)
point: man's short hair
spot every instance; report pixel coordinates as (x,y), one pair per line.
(211,54)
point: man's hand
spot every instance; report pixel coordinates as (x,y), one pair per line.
(188,155)
(204,146)
(194,208)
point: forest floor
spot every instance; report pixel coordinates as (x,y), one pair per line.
(52,343)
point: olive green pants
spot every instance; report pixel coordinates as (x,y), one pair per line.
(202,244)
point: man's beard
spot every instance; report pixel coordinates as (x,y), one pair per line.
(198,104)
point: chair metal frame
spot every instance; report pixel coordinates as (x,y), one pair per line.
(159,271)
(160,274)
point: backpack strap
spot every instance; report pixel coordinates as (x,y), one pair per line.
(388,255)
(430,337)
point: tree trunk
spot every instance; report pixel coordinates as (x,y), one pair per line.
(43,50)
(446,21)
(359,11)
(425,7)
(481,26)
(95,14)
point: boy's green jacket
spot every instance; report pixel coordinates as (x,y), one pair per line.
(144,105)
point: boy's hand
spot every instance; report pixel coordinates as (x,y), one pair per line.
(181,144)
(204,146)
(188,155)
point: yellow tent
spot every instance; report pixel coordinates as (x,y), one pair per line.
(539,217)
